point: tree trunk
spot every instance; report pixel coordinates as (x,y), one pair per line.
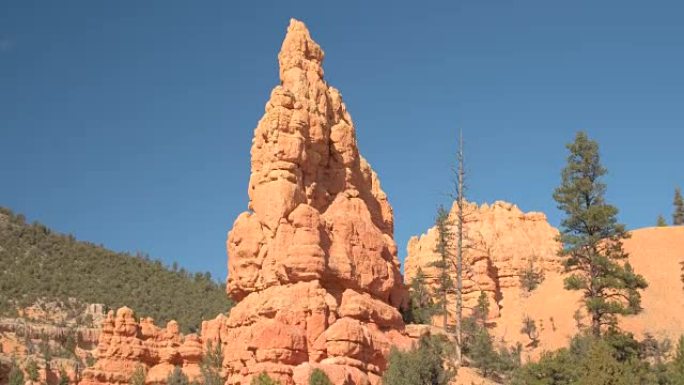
(459,251)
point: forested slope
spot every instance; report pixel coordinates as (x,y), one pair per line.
(37,263)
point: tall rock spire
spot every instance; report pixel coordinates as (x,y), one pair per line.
(313,262)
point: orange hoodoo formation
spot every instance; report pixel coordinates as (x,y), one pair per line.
(126,344)
(313,262)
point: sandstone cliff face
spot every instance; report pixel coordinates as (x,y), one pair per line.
(655,253)
(65,328)
(499,242)
(313,262)
(502,239)
(126,344)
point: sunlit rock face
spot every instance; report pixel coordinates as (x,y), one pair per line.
(313,262)
(126,344)
(500,241)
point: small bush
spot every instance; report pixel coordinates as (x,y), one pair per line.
(529,327)
(16,376)
(138,377)
(263,379)
(211,365)
(424,365)
(421,306)
(318,377)
(32,370)
(530,276)
(177,377)
(63,378)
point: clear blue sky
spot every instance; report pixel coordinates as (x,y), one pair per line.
(129,123)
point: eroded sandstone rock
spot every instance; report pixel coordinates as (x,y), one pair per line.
(125,344)
(313,263)
(500,241)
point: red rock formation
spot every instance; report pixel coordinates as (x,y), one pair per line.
(313,263)
(126,344)
(500,241)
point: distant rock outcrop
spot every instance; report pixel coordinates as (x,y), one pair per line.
(500,241)
(313,262)
(126,344)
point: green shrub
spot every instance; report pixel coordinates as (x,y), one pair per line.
(610,360)
(318,377)
(177,377)
(138,377)
(263,379)
(530,276)
(211,365)
(32,370)
(421,306)
(423,365)
(529,327)
(63,378)
(16,376)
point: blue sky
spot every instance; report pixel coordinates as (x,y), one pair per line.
(129,123)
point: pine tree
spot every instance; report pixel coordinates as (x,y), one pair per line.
(481,310)
(422,365)
(421,306)
(660,222)
(443,249)
(592,240)
(678,216)
(211,365)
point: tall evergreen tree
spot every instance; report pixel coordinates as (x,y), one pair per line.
(678,216)
(443,248)
(592,240)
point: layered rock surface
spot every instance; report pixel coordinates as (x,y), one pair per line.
(313,262)
(125,344)
(500,241)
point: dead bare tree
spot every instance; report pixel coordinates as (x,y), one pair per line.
(460,218)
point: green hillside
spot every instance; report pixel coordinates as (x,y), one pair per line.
(37,263)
